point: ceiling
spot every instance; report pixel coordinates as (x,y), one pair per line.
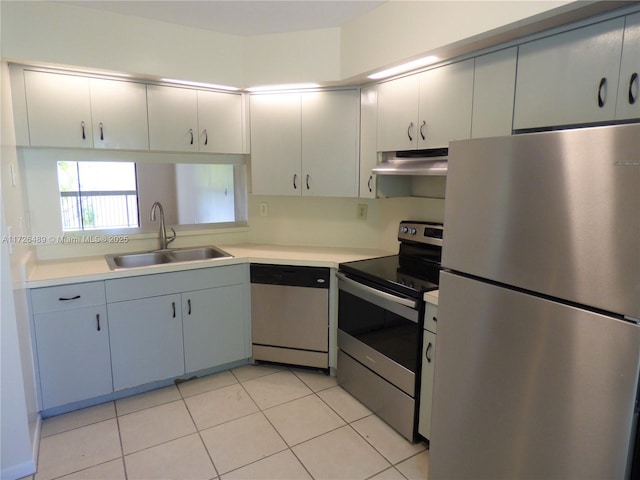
(241,17)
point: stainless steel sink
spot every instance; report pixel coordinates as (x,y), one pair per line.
(159,257)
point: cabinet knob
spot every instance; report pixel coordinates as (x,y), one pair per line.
(602,87)
(632,81)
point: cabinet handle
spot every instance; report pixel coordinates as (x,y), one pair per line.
(206,137)
(101,131)
(84,137)
(603,84)
(369,183)
(173,305)
(632,80)
(191,132)
(295,178)
(428,352)
(189,305)
(424,122)
(409,132)
(307,181)
(66,299)
(98,320)
(435,319)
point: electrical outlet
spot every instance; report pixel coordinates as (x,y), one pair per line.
(362,212)
(264,209)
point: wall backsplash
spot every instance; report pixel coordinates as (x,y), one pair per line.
(334,222)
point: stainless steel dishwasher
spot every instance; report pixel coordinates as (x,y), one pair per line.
(290,314)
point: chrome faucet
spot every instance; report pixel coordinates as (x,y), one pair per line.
(164,242)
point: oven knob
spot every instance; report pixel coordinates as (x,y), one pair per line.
(404,229)
(412,231)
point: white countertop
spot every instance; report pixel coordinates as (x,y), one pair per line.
(432,297)
(86,269)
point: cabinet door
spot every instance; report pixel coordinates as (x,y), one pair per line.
(276,144)
(330,142)
(119,112)
(58,110)
(73,355)
(446,95)
(426,385)
(146,340)
(368,140)
(398,114)
(173,118)
(215,327)
(219,122)
(494,86)
(569,78)
(628,105)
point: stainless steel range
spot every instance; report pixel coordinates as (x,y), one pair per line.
(380,315)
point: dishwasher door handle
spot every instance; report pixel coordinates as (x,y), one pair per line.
(355,288)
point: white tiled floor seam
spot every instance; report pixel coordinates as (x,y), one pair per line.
(387,470)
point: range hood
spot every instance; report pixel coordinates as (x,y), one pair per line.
(415,162)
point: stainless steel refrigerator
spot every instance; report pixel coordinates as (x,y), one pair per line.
(538,354)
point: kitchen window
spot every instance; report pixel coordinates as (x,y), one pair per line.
(98,195)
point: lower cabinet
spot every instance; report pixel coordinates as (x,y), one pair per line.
(146,340)
(94,338)
(215,330)
(73,355)
(428,370)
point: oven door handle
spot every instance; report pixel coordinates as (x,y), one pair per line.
(377,293)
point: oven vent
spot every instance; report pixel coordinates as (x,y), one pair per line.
(415,162)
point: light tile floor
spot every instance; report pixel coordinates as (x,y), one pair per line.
(252,422)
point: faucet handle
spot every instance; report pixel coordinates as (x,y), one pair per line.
(169,240)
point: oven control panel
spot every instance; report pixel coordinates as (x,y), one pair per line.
(421,232)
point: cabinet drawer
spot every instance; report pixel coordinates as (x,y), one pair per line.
(130,288)
(431,317)
(67,297)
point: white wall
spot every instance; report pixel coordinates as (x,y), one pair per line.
(399,30)
(332,221)
(53,32)
(19,420)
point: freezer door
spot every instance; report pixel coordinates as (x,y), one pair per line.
(556,213)
(529,388)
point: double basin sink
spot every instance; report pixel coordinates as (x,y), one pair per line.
(159,257)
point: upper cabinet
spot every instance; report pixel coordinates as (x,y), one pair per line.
(173,119)
(186,120)
(569,78)
(220,122)
(75,111)
(493,92)
(368,150)
(426,110)
(63,110)
(446,95)
(305,143)
(628,105)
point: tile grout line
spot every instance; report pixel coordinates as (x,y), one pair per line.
(198,431)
